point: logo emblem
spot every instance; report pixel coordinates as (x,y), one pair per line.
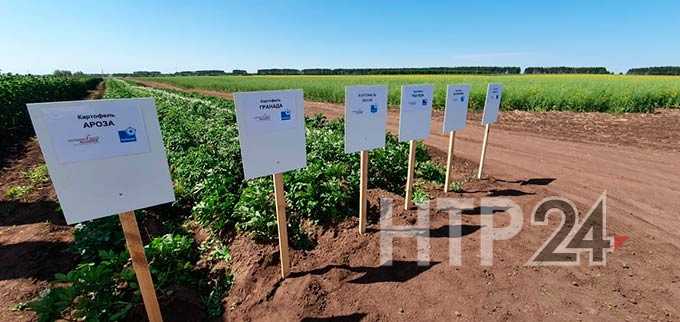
(462,98)
(285,115)
(424,101)
(127,135)
(374,108)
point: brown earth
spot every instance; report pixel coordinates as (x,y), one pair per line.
(633,157)
(34,236)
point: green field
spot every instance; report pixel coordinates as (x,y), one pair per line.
(601,93)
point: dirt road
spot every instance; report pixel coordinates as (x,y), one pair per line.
(342,278)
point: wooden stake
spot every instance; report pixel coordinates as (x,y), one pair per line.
(449,161)
(409,176)
(133,239)
(363,183)
(282,224)
(481,161)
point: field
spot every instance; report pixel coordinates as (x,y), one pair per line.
(581,93)
(213,253)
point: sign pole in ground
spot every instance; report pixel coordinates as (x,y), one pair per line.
(409,175)
(492,105)
(363,182)
(272,140)
(455,118)
(365,121)
(133,239)
(106,157)
(449,161)
(481,161)
(282,223)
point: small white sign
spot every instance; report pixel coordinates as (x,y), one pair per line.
(271,127)
(455,113)
(365,117)
(492,103)
(104,157)
(415,113)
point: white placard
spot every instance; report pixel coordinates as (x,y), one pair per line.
(271,126)
(104,157)
(492,103)
(455,113)
(415,113)
(365,117)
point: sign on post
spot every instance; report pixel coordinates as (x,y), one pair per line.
(455,117)
(492,105)
(365,119)
(271,126)
(414,124)
(106,157)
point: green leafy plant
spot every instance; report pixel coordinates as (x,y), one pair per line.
(431,171)
(17,192)
(37,175)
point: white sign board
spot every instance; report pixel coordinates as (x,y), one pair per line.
(415,113)
(104,157)
(365,117)
(492,103)
(271,127)
(455,113)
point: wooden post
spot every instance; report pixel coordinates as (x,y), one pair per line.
(449,161)
(363,183)
(409,176)
(133,239)
(282,224)
(481,161)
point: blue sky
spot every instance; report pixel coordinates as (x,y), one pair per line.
(123,36)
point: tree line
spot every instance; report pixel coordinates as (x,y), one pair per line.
(479,70)
(566,70)
(661,70)
(392,71)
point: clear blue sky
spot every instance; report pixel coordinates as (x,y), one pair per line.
(123,36)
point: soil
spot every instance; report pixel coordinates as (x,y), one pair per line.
(531,156)
(34,236)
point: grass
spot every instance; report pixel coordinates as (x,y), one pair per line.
(580,93)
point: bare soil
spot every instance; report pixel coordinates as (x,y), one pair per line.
(34,236)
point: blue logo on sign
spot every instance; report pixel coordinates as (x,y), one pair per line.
(424,101)
(127,135)
(285,115)
(462,98)
(374,108)
(496,96)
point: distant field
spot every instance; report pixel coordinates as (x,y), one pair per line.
(601,93)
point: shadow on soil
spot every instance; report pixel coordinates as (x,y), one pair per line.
(340,318)
(530,182)
(22,213)
(34,259)
(399,272)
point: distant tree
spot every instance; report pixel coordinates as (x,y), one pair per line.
(239,72)
(62,73)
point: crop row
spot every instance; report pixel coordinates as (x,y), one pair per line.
(17,90)
(201,139)
(580,93)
